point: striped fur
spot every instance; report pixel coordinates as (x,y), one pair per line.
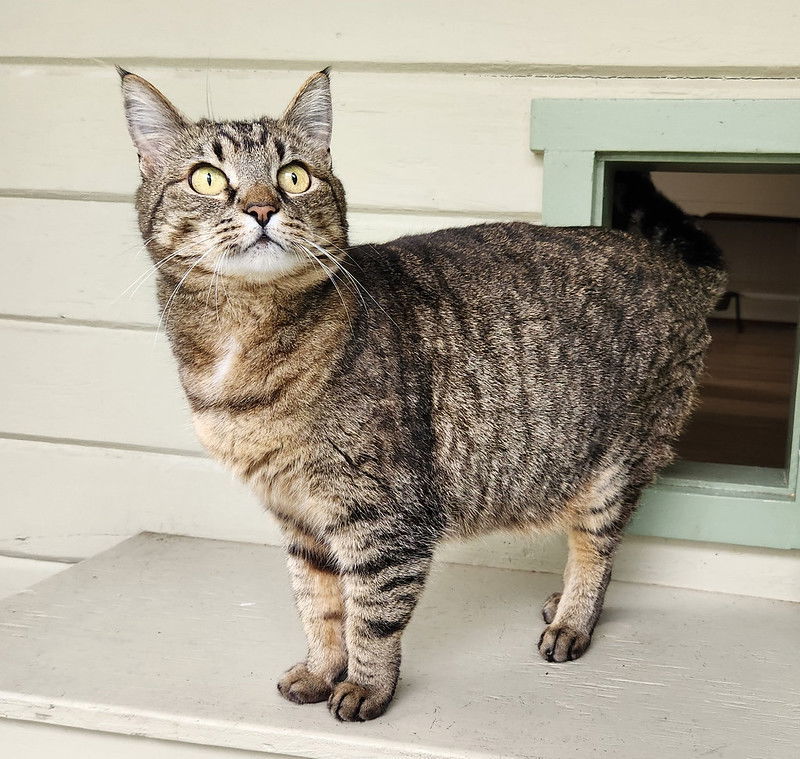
(382,398)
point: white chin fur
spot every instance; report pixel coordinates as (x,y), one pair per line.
(261,262)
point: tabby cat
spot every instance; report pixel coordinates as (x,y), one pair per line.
(381,398)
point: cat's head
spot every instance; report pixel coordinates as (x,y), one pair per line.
(247,200)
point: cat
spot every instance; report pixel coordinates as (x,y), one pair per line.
(381,398)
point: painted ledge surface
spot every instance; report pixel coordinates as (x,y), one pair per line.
(182,639)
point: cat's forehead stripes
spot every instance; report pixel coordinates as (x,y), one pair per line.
(244,135)
(232,137)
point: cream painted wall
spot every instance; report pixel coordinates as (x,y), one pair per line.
(431,129)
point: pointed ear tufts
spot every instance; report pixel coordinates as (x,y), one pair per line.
(311,111)
(155,125)
(122,72)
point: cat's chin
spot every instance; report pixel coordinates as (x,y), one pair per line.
(263,261)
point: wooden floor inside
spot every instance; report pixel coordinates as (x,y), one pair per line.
(743,417)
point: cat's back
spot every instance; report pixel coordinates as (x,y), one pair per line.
(525,267)
(538,347)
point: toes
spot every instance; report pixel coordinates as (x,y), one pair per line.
(561,643)
(303,687)
(350,702)
(550,607)
(346,700)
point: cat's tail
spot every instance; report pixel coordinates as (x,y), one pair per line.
(641,209)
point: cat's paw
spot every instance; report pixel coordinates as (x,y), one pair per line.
(350,702)
(550,607)
(303,687)
(562,643)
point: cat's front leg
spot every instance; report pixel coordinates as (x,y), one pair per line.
(383,575)
(318,596)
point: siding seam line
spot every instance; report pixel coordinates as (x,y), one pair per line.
(557,70)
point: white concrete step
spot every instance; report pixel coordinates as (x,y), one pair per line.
(18,573)
(182,639)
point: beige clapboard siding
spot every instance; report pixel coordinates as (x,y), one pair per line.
(83,260)
(70,501)
(416,141)
(88,383)
(569,35)
(385,153)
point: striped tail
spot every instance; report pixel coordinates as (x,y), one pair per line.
(641,209)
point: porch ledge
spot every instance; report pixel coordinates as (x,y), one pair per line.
(183,639)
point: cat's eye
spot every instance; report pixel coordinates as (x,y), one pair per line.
(208,180)
(294,178)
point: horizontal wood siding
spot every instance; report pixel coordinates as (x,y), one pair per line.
(431,129)
(84,260)
(571,37)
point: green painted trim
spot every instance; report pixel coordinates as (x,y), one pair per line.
(751,480)
(583,140)
(793,443)
(773,163)
(699,126)
(569,197)
(684,515)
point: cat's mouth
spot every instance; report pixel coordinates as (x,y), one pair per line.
(261,257)
(264,242)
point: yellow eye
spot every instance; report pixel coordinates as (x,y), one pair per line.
(208,180)
(294,178)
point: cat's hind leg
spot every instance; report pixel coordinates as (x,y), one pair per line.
(596,522)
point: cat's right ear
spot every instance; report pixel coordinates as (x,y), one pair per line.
(310,110)
(154,123)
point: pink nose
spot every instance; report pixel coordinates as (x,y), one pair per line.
(261,213)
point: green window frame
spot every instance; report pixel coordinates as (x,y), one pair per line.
(582,142)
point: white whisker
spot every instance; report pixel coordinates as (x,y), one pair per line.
(228,298)
(350,276)
(178,252)
(329,273)
(164,317)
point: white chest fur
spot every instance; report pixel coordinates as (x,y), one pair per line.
(208,382)
(229,353)
(267,448)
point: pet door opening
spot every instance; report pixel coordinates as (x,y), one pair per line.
(746,395)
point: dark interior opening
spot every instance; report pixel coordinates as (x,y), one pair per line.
(747,388)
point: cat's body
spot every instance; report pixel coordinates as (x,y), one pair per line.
(497,371)
(492,377)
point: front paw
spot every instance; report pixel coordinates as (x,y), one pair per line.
(303,687)
(350,702)
(550,608)
(561,643)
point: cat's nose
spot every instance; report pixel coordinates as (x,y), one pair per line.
(261,213)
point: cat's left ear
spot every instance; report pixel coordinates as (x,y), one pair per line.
(154,123)
(311,111)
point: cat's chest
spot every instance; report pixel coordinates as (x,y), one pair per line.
(246,414)
(213,374)
(228,358)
